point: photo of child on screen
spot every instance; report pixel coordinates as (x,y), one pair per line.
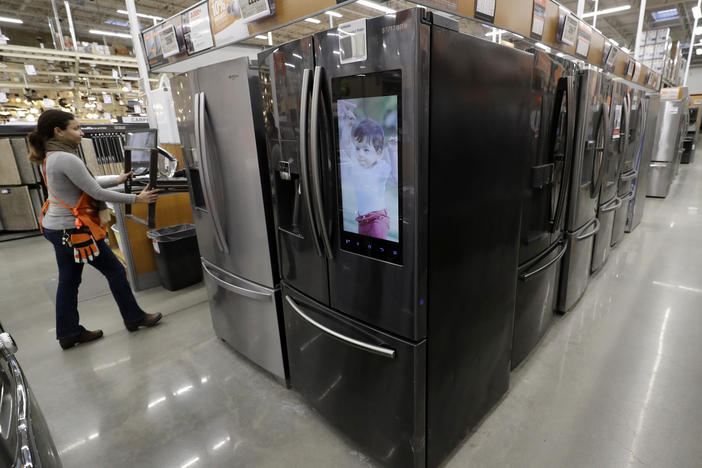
(368,159)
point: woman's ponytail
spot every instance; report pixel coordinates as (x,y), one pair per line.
(46,123)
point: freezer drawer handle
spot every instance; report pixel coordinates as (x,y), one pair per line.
(594,231)
(617,203)
(385,352)
(259,296)
(526,276)
(659,164)
(628,175)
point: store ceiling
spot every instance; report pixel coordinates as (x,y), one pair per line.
(102,14)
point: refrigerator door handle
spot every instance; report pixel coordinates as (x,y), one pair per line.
(201,138)
(604,125)
(531,274)
(314,150)
(385,352)
(594,231)
(657,164)
(304,163)
(257,295)
(569,91)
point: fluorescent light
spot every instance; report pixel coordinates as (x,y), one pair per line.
(334,14)
(698,30)
(4,19)
(625,50)
(607,11)
(312,20)
(614,42)
(141,15)
(496,31)
(375,6)
(109,33)
(665,15)
(543,47)
(698,51)
(696,12)
(560,54)
(263,38)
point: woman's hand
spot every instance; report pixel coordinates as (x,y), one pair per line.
(147,196)
(123,177)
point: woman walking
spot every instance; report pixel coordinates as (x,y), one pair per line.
(71,222)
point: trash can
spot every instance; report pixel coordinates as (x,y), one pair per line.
(177,255)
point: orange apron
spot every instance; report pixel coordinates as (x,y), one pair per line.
(88,229)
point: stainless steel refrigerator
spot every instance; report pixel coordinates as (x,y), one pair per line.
(651,103)
(666,147)
(396,172)
(590,148)
(546,179)
(220,127)
(616,146)
(633,135)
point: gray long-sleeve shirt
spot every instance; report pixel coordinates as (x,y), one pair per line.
(67,178)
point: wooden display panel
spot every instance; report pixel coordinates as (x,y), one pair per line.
(177,152)
(171,209)
(289,11)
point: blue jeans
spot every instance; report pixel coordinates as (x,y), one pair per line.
(70,272)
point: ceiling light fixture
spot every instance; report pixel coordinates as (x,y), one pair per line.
(263,38)
(334,14)
(607,11)
(375,6)
(312,20)
(543,47)
(698,51)
(109,33)
(696,12)
(141,15)
(665,15)
(4,19)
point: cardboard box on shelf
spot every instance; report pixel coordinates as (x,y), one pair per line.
(649,52)
(651,36)
(663,34)
(659,51)
(657,65)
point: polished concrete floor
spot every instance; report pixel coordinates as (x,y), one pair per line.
(615,383)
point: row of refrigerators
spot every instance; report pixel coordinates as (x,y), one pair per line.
(390,230)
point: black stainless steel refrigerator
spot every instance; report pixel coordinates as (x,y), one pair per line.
(651,103)
(396,171)
(545,181)
(582,224)
(633,133)
(221,130)
(616,147)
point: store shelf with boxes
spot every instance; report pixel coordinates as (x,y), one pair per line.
(94,87)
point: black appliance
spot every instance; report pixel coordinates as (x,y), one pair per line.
(399,313)
(582,224)
(545,179)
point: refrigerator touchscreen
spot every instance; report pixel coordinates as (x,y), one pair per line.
(368,134)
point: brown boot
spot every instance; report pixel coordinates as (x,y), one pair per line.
(149,320)
(84,337)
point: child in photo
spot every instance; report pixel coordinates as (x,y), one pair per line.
(369,173)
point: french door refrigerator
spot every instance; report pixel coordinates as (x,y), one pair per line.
(546,178)
(633,135)
(609,201)
(221,130)
(651,103)
(666,147)
(590,148)
(396,177)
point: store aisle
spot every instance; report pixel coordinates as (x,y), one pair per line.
(615,383)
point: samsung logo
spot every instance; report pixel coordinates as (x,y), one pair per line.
(394,27)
